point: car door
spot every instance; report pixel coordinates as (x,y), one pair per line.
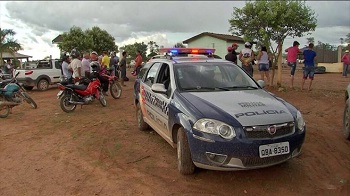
(162,100)
(147,99)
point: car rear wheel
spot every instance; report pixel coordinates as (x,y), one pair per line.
(43,84)
(184,158)
(141,124)
(346,120)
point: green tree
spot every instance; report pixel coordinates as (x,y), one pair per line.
(8,43)
(132,48)
(347,38)
(94,39)
(270,22)
(179,45)
(153,49)
(310,40)
(75,38)
(101,40)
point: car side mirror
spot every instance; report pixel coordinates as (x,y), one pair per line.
(159,88)
(261,83)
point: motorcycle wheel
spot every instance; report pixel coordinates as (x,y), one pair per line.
(116,90)
(65,105)
(29,100)
(4,111)
(102,99)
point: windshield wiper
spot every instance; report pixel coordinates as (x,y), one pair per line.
(237,87)
(198,88)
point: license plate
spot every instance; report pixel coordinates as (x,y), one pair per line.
(59,93)
(275,149)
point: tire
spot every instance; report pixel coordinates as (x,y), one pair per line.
(4,111)
(346,120)
(102,99)
(185,164)
(29,100)
(116,90)
(141,124)
(28,88)
(65,105)
(43,84)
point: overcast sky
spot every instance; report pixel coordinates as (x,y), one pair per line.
(37,23)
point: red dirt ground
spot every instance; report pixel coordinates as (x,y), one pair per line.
(99,151)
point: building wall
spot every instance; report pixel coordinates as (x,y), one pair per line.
(219,45)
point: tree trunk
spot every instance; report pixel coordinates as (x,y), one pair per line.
(279,64)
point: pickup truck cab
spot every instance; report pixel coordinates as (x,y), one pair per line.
(46,73)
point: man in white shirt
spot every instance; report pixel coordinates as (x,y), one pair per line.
(86,69)
(75,65)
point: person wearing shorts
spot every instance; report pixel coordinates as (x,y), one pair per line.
(263,59)
(292,60)
(309,65)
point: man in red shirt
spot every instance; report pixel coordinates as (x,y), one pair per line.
(292,59)
(138,62)
(346,62)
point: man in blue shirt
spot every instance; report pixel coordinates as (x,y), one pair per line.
(309,65)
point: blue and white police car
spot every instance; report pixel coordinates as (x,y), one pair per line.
(214,113)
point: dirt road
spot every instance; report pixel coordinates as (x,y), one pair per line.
(99,151)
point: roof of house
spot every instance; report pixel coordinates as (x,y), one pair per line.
(58,39)
(7,55)
(216,35)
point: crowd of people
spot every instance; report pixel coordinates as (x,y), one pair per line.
(75,66)
(264,61)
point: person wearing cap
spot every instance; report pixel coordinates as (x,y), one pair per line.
(292,55)
(246,56)
(346,61)
(230,56)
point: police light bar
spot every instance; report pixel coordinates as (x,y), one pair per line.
(175,51)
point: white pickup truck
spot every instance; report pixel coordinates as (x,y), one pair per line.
(46,73)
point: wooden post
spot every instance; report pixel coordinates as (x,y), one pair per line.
(339,53)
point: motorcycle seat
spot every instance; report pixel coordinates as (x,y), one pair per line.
(4,82)
(78,87)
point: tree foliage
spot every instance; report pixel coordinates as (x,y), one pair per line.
(269,22)
(132,48)
(153,48)
(8,43)
(310,40)
(179,45)
(94,39)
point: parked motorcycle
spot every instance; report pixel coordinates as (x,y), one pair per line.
(71,95)
(11,95)
(114,86)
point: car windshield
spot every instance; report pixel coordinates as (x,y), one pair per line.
(212,77)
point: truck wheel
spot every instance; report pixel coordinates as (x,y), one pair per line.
(346,120)
(28,88)
(141,124)
(184,159)
(43,84)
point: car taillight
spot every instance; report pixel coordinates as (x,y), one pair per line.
(28,72)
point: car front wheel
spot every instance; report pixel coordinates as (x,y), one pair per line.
(346,120)
(142,125)
(184,158)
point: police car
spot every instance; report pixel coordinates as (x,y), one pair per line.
(214,113)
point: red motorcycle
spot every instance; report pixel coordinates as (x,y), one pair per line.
(114,86)
(71,95)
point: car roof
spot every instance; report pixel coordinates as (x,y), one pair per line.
(190,59)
